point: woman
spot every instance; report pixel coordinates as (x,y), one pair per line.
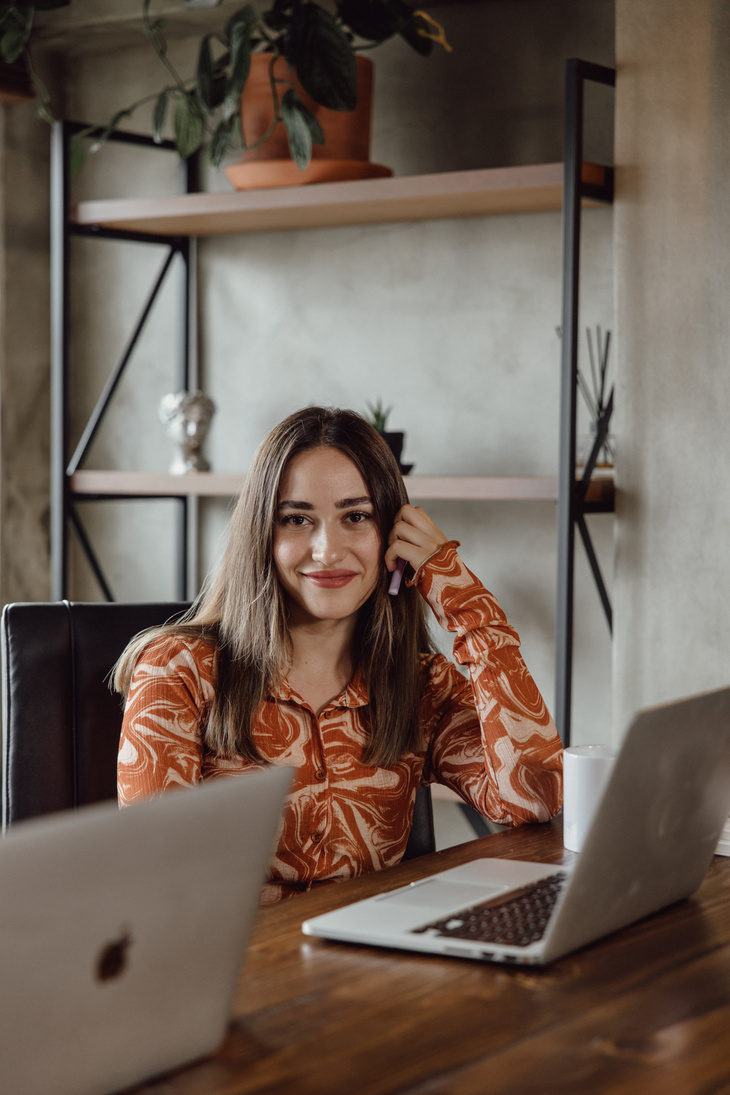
(297,654)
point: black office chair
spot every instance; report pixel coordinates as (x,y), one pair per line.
(60,721)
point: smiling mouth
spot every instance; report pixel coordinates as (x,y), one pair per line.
(330,579)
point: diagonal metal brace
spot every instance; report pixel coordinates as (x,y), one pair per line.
(111,385)
(603,423)
(596,569)
(90,554)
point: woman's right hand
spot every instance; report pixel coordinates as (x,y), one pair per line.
(414,538)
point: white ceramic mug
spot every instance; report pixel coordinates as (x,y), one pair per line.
(586,769)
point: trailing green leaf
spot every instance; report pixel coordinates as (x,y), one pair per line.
(311,119)
(245,17)
(319,50)
(159,115)
(189,125)
(13,43)
(104,134)
(154,32)
(16,26)
(302,128)
(204,76)
(44,113)
(222,140)
(218,90)
(239,43)
(76,154)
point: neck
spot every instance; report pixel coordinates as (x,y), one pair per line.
(322,659)
(322,642)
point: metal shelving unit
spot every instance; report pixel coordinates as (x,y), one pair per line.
(64,514)
(177,221)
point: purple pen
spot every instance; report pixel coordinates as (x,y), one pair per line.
(396,577)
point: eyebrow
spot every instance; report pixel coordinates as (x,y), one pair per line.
(345,503)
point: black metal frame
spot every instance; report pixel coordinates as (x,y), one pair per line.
(63,509)
(572,501)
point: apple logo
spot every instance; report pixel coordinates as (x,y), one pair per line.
(112,958)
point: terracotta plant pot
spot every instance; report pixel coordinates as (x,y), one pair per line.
(344,155)
(15,85)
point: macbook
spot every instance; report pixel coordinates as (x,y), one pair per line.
(122,933)
(652,839)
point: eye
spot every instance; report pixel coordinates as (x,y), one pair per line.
(357,517)
(293,519)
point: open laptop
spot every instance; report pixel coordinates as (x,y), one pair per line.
(122,933)
(652,839)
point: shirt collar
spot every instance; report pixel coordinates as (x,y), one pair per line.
(354,694)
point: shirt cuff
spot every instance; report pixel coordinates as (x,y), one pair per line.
(437,558)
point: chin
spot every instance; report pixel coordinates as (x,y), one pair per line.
(328,610)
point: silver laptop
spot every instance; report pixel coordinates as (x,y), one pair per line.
(122,933)
(651,842)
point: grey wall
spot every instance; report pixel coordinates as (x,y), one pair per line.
(451,322)
(24,355)
(672,242)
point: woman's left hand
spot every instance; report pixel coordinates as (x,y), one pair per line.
(414,538)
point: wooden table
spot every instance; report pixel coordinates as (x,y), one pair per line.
(645,1011)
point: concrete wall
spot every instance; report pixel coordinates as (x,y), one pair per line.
(672,256)
(24,356)
(451,322)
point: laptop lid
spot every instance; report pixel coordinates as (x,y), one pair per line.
(656,828)
(122,932)
(651,842)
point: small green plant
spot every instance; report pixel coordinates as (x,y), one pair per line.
(378,415)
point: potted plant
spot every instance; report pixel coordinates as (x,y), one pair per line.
(19,80)
(305,58)
(290,85)
(378,417)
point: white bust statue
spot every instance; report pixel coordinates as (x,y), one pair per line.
(186,417)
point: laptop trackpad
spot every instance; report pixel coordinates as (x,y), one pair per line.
(433,893)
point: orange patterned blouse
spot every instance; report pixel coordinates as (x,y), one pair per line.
(488,736)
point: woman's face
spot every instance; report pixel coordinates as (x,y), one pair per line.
(327,547)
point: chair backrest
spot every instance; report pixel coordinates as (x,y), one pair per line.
(60,721)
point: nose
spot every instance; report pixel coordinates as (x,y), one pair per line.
(327,544)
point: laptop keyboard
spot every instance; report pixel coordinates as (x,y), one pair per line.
(517,919)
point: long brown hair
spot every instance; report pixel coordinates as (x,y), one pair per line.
(242,610)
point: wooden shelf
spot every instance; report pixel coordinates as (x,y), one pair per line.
(144,484)
(477,488)
(490,192)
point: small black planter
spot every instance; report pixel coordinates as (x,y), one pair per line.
(395,440)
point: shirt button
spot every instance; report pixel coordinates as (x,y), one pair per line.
(320,775)
(316,837)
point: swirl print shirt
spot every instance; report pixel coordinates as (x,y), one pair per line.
(486,735)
